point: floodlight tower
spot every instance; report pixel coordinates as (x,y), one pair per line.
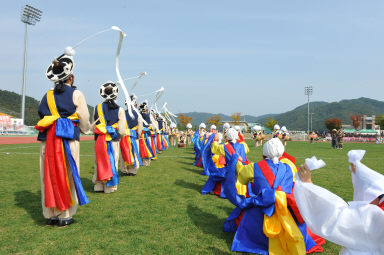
(311,120)
(29,16)
(308,91)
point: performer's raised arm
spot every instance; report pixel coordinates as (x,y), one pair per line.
(357,227)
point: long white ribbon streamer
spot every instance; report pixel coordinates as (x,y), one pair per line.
(138,79)
(119,78)
(91,36)
(170,116)
(142,74)
(158,94)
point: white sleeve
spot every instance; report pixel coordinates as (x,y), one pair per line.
(81,110)
(122,123)
(367,183)
(357,226)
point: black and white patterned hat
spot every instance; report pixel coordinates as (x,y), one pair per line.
(109,90)
(61,67)
(143,106)
(133,98)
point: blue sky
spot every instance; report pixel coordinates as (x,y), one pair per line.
(248,56)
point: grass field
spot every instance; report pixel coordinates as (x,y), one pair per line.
(159,211)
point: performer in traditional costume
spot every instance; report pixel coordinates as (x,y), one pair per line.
(161,138)
(266,222)
(241,136)
(154,130)
(189,133)
(258,136)
(226,126)
(166,132)
(284,135)
(64,113)
(276,131)
(220,154)
(198,140)
(212,130)
(145,139)
(174,133)
(110,127)
(182,140)
(358,225)
(129,145)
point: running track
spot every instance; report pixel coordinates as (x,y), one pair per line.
(29,139)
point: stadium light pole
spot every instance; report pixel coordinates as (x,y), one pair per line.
(29,16)
(308,90)
(311,120)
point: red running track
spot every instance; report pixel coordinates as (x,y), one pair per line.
(30,139)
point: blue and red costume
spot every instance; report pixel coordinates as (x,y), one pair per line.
(267,222)
(105,133)
(214,162)
(57,127)
(128,145)
(146,150)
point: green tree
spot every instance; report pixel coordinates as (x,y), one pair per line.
(380,121)
(270,123)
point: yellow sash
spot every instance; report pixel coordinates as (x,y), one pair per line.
(282,231)
(49,119)
(102,127)
(241,189)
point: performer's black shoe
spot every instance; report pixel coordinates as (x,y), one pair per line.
(124,174)
(65,222)
(52,221)
(131,174)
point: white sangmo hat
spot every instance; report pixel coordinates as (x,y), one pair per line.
(273,149)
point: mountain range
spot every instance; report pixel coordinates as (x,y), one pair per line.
(295,119)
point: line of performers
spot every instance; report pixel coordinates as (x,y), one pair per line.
(259,136)
(278,208)
(180,138)
(138,136)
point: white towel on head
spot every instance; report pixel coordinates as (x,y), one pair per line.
(314,163)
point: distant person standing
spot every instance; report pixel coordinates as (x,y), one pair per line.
(312,136)
(340,138)
(334,139)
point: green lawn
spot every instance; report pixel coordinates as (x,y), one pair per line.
(159,211)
